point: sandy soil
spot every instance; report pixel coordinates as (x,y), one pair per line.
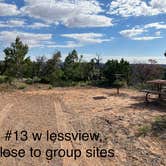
(116,118)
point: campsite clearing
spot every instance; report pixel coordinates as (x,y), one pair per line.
(117,118)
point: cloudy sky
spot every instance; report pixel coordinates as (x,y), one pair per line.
(132,29)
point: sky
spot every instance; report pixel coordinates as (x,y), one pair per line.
(114,29)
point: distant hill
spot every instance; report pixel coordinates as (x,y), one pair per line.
(163,65)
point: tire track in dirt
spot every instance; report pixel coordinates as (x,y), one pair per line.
(64,126)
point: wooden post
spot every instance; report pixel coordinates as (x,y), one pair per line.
(118,90)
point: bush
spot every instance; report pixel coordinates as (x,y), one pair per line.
(3,79)
(114,67)
(29,81)
(36,80)
(21,86)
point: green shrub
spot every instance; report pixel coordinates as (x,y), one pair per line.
(10,79)
(36,80)
(29,81)
(21,87)
(3,79)
(119,84)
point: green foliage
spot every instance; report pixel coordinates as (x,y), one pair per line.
(113,67)
(56,77)
(3,79)
(159,125)
(2,67)
(15,58)
(71,65)
(155,128)
(144,130)
(21,86)
(6,79)
(71,58)
(29,81)
(119,83)
(164,75)
(36,79)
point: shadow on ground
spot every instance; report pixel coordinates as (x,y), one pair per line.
(151,106)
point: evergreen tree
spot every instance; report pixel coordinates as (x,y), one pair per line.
(15,58)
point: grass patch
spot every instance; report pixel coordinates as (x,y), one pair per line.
(156,128)
(144,130)
(21,86)
(159,126)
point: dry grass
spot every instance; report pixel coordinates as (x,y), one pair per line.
(117,117)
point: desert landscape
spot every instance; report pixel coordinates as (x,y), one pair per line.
(118,118)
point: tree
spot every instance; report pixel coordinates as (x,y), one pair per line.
(71,65)
(53,71)
(2,67)
(39,66)
(142,72)
(15,58)
(114,67)
(54,63)
(71,58)
(95,71)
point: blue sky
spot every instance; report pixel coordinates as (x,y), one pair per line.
(114,29)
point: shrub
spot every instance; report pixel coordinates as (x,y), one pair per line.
(10,79)
(21,86)
(3,79)
(29,81)
(36,80)
(114,67)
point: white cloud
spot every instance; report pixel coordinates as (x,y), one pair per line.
(88,21)
(45,40)
(12,23)
(156,25)
(138,34)
(132,32)
(159,5)
(87,38)
(127,8)
(147,38)
(69,44)
(78,13)
(22,23)
(158,33)
(8,9)
(38,25)
(32,39)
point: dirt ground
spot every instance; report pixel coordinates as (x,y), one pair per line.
(116,118)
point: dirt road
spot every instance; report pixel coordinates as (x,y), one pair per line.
(73,111)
